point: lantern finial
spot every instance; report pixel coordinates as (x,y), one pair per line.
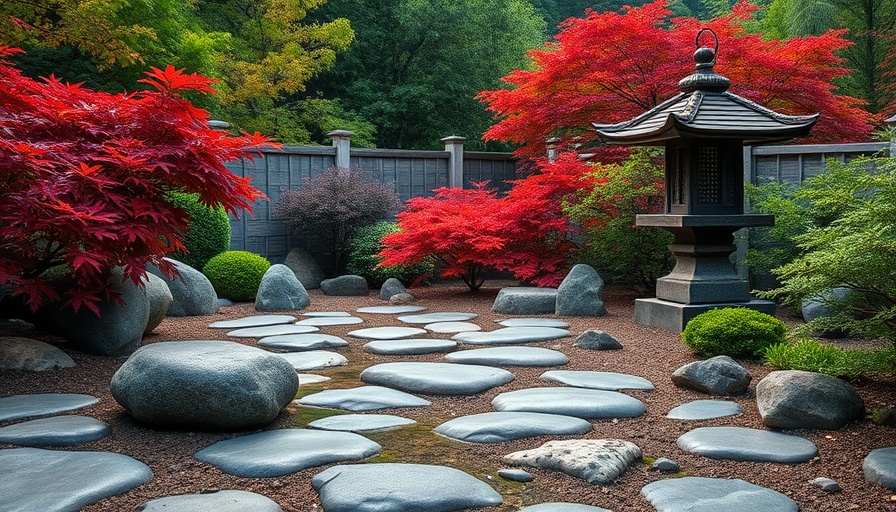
(705,79)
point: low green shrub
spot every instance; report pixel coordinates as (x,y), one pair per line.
(813,356)
(208,234)
(236,274)
(735,332)
(365,246)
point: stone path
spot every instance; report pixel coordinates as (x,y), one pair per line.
(364,398)
(704,410)
(451,327)
(510,356)
(253,321)
(217,501)
(578,402)
(361,422)
(323,321)
(28,406)
(314,359)
(301,342)
(609,381)
(511,335)
(495,427)
(55,431)
(748,444)
(386,333)
(271,330)
(698,494)
(415,346)
(428,318)
(436,378)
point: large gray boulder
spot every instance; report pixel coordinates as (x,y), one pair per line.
(160,299)
(391,287)
(580,293)
(306,269)
(525,300)
(192,292)
(820,307)
(18,353)
(216,385)
(718,375)
(281,290)
(792,399)
(345,286)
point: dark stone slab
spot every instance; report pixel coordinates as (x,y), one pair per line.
(523,300)
(578,402)
(747,444)
(698,494)
(217,501)
(610,381)
(364,398)
(497,427)
(16,407)
(55,431)
(509,356)
(436,378)
(345,286)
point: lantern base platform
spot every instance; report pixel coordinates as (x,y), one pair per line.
(673,316)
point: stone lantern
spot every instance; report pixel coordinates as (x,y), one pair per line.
(704,130)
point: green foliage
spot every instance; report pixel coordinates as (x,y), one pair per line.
(236,274)
(364,259)
(813,356)
(208,234)
(733,332)
(613,245)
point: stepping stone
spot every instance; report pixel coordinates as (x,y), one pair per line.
(55,431)
(747,444)
(509,356)
(306,379)
(386,333)
(253,321)
(515,475)
(322,321)
(413,346)
(705,410)
(699,494)
(533,322)
(597,461)
(302,342)
(65,481)
(314,359)
(452,327)
(364,398)
(272,330)
(219,501)
(390,310)
(429,318)
(393,487)
(880,467)
(497,427)
(511,335)
(16,407)
(609,381)
(285,451)
(318,314)
(361,422)
(578,402)
(562,507)
(436,378)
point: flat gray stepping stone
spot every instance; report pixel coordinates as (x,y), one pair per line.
(55,431)
(65,481)
(322,321)
(562,507)
(452,327)
(314,359)
(497,427)
(609,381)
(597,461)
(401,488)
(15,407)
(705,410)
(436,378)
(747,444)
(515,475)
(361,422)
(272,330)
(578,402)
(310,378)
(300,342)
(880,467)
(413,346)
(364,398)
(523,300)
(390,310)
(533,322)
(285,451)
(429,318)
(253,321)
(218,501)
(509,356)
(386,333)
(317,314)
(699,494)
(511,335)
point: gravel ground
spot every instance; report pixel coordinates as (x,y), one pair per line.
(650,353)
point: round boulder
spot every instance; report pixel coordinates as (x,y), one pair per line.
(281,290)
(391,287)
(192,292)
(580,293)
(791,399)
(718,375)
(306,269)
(159,300)
(31,355)
(216,385)
(345,286)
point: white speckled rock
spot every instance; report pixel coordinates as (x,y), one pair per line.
(597,461)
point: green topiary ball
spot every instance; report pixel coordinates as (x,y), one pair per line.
(365,246)
(735,332)
(208,234)
(236,275)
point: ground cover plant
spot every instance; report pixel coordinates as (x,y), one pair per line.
(811,355)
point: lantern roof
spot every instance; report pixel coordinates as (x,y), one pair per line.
(705,109)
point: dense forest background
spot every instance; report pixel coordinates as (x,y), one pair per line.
(398,73)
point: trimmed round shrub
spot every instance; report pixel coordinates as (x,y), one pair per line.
(235,275)
(365,246)
(208,234)
(735,332)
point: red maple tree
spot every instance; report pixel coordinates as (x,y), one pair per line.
(609,67)
(84,176)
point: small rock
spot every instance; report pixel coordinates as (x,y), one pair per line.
(345,286)
(718,375)
(826,485)
(31,355)
(391,287)
(594,339)
(401,298)
(665,465)
(516,475)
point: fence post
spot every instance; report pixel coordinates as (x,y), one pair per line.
(342,141)
(454,145)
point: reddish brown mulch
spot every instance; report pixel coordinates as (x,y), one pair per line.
(650,353)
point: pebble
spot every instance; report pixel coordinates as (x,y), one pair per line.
(665,465)
(826,484)
(516,475)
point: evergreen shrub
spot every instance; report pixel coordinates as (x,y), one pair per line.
(236,274)
(208,234)
(735,332)
(364,257)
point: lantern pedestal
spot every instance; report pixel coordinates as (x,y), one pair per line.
(704,277)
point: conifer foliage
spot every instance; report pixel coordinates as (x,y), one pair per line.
(84,176)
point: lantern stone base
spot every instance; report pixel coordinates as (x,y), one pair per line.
(673,316)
